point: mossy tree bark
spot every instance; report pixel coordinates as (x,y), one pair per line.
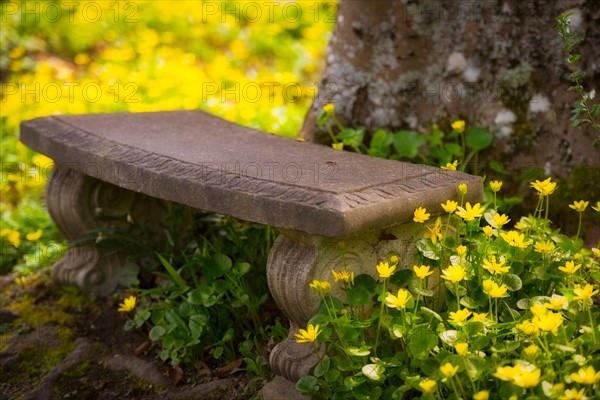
(499,64)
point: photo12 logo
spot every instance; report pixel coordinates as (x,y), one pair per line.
(72,11)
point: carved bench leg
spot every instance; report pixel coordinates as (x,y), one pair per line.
(77,204)
(294,262)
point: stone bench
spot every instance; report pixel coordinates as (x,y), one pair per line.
(108,165)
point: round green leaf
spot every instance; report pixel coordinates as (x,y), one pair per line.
(358,295)
(375,372)
(156,332)
(478,138)
(513,282)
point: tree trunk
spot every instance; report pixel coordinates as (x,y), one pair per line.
(498,64)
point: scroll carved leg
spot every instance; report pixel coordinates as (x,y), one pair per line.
(294,262)
(77,204)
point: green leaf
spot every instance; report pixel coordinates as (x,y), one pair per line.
(454,149)
(202,296)
(505,347)
(332,375)
(407,143)
(358,295)
(351,137)
(323,366)
(156,333)
(449,337)
(375,372)
(197,323)
(478,138)
(353,381)
(421,342)
(380,143)
(595,111)
(358,351)
(322,118)
(174,275)
(241,269)
(468,302)
(365,281)
(430,314)
(426,248)
(307,385)
(513,282)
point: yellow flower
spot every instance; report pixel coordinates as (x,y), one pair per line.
(538,310)
(428,386)
(320,286)
(329,109)
(460,316)
(500,220)
(597,207)
(481,395)
(519,225)
(14,237)
(573,394)
(528,379)
(338,146)
(579,206)
(478,317)
(507,373)
(587,376)
(516,239)
(570,267)
(461,349)
(488,231)
(33,236)
(531,350)
(459,125)
(309,335)
(495,267)
(422,272)
(544,188)
(343,276)
(470,213)
(596,251)
(450,206)
(557,302)
(549,322)
(394,260)
(384,269)
(495,185)
(528,327)
(492,289)
(449,370)
(544,247)
(461,251)
(454,273)
(398,301)
(421,215)
(450,166)
(128,304)
(462,188)
(435,232)
(584,294)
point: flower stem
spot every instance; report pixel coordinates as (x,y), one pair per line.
(578,227)
(379,321)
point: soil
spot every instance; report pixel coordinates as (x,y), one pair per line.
(57,343)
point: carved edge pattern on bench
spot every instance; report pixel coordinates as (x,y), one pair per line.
(142,166)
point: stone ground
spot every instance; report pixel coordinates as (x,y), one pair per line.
(56,343)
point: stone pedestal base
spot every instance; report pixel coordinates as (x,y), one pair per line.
(294,262)
(81,206)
